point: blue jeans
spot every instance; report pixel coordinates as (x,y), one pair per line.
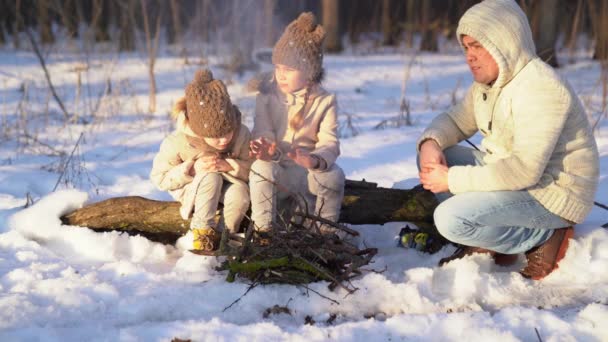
(508,222)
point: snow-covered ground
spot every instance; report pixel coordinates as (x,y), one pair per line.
(62,283)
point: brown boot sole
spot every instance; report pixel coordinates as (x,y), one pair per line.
(203,252)
(505,259)
(563,248)
(463,251)
(561,253)
(499,258)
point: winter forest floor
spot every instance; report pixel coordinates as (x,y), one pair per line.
(61,283)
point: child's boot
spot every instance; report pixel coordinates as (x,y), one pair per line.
(205,239)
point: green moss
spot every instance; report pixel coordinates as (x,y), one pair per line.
(350,200)
(254,266)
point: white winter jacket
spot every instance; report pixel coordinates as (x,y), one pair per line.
(535,130)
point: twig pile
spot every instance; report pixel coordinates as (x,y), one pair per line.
(297,254)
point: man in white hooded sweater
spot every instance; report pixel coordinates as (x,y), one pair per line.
(538,172)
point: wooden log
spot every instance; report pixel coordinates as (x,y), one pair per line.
(364,203)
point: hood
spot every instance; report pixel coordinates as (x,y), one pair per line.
(502,28)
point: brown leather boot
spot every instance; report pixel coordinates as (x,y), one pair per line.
(499,258)
(543,259)
(505,259)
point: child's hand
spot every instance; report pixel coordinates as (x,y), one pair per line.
(262,149)
(211,164)
(304,158)
(187,167)
(222,165)
(205,164)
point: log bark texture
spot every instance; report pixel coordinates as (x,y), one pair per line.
(364,203)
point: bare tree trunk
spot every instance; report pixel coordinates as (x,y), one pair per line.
(429,32)
(152,48)
(546,32)
(202,20)
(5,19)
(331,23)
(410,22)
(175,35)
(387,24)
(363,203)
(18,24)
(9,18)
(574,29)
(44,22)
(30,36)
(269,6)
(69,18)
(126,41)
(598,10)
(100,20)
(353,23)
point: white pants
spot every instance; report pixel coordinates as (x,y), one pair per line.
(214,189)
(320,193)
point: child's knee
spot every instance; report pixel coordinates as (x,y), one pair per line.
(237,196)
(212,180)
(243,198)
(262,168)
(332,178)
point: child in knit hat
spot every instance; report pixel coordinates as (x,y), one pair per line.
(206,161)
(295,130)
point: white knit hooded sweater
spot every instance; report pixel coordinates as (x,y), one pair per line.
(535,130)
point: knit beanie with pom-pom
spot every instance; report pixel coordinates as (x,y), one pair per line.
(301,47)
(208,107)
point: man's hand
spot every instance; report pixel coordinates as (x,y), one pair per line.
(304,158)
(262,149)
(430,152)
(434,177)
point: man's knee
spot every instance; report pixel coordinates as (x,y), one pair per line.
(450,223)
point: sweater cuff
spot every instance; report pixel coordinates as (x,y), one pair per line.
(430,135)
(277,157)
(322,166)
(425,140)
(458,180)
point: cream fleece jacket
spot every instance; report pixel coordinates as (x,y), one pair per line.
(178,152)
(534,127)
(319,132)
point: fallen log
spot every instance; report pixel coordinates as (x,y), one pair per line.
(364,203)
